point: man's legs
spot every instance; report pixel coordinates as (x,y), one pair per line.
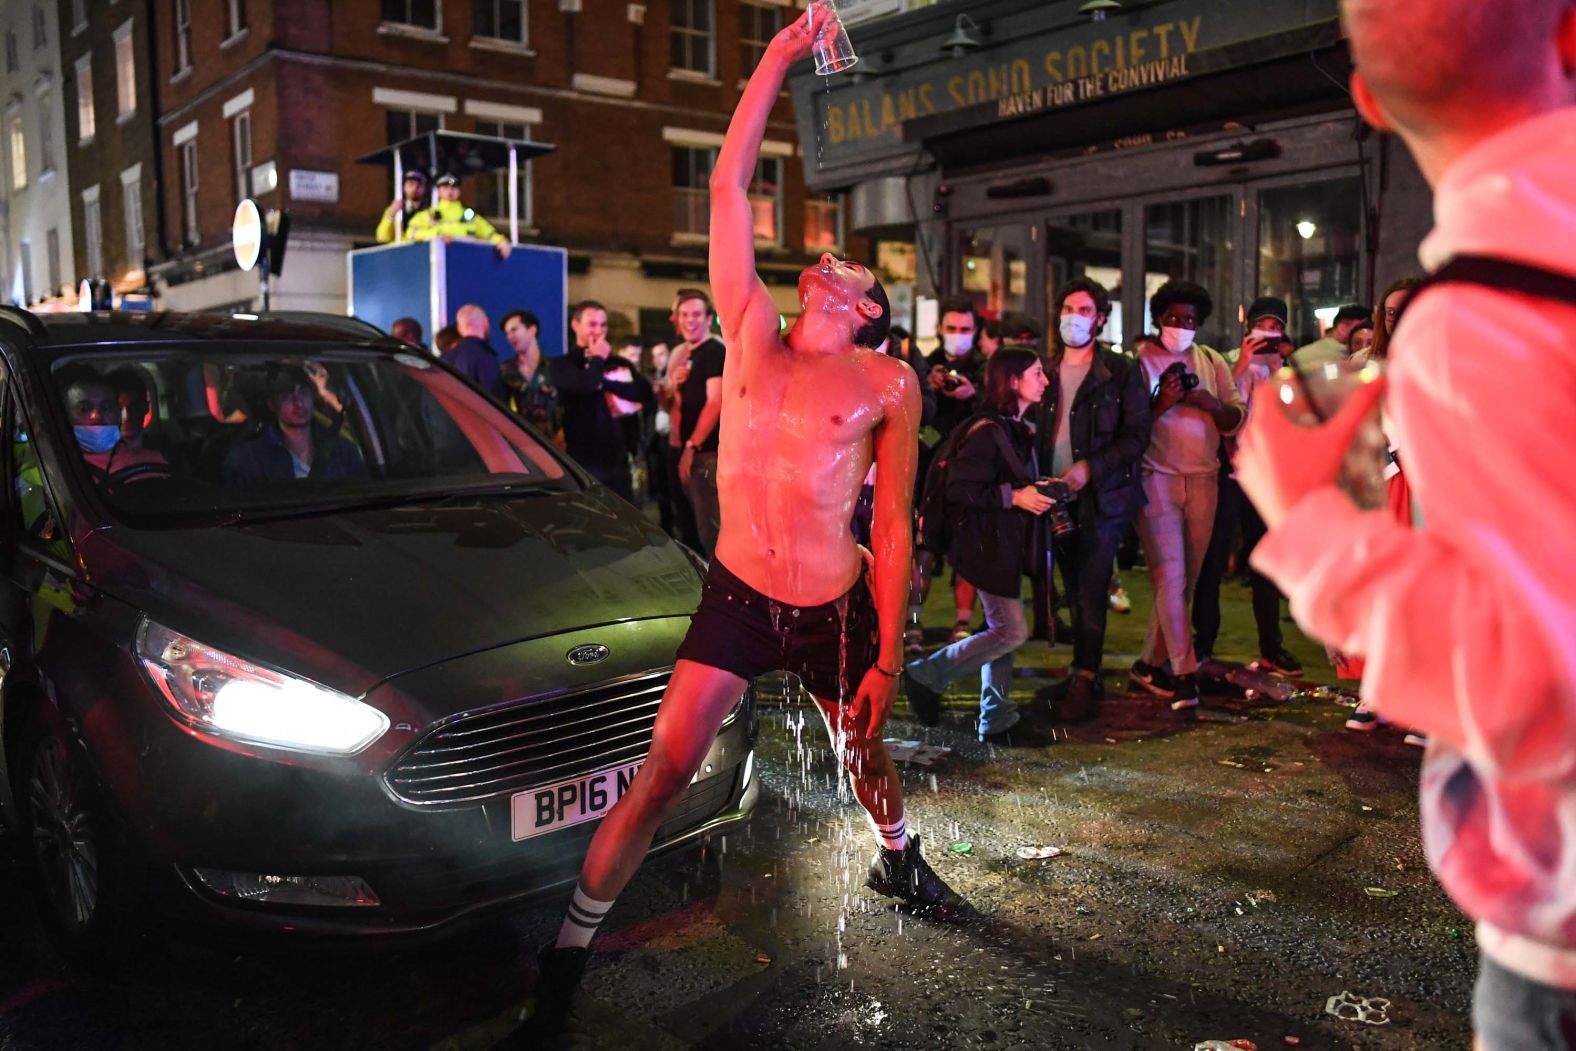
(1266,596)
(1206,595)
(702,492)
(1087,564)
(683,514)
(1160,529)
(697,699)
(872,774)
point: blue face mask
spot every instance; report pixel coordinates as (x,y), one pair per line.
(97,438)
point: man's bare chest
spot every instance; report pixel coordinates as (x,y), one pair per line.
(802,405)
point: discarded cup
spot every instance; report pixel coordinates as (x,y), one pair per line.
(1037,853)
(832,50)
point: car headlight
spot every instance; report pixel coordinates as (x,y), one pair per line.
(225,695)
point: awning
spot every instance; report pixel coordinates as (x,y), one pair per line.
(1246,82)
(454,153)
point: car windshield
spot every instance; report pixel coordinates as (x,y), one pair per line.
(174,436)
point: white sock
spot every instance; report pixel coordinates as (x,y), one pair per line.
(894,835)
(585,915)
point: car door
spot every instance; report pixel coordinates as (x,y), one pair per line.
(36,565)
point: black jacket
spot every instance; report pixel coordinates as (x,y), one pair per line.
(993,542)
(949,410)
(1109,428)
(591,433)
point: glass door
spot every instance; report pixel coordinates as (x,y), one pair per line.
(1310,237)
(994,262)
(1086,244)
(1195,239)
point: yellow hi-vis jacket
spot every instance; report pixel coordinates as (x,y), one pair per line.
(451,219)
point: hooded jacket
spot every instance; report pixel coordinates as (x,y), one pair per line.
(1468,621)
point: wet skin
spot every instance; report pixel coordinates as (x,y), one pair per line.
(802,419)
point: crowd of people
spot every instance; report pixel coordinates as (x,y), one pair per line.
(1044,454)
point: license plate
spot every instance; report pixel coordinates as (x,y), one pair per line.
(537,811)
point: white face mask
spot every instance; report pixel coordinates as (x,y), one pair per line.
(957,344)
(1076,330)
(1174,339)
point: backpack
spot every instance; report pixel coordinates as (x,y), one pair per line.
(938,518)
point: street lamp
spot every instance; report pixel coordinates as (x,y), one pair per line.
(962,40)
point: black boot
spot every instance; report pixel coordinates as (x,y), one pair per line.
(554,1023)
(905,875)
(924,702)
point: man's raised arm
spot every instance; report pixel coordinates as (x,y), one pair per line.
(742,300)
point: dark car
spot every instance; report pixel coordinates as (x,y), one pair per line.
(299,632)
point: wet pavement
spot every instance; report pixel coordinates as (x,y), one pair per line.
(1221,877)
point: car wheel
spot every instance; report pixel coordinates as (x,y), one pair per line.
(76,855)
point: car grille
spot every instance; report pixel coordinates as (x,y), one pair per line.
(536,742)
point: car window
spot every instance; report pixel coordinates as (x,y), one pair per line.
(175,436)
(32,508)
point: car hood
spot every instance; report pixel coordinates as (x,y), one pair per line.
(354,597)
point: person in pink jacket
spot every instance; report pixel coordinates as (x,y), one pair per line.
(1467,618)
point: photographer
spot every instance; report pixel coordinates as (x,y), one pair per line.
(1195,403)
(955,373)
(990,489)
(1093,428)
(1235,517)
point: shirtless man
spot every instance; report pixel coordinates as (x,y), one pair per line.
(802,416)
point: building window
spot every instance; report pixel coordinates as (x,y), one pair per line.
(189,228)
(758,24)
(183,36)
(18,153)
(46,136)
(40,29)
(87,122)
(823,224)
(493,198)
(79,15)
(766,200)
(93,232)
(402,124)
(11,62)
(27,272)
(692,25)
(125,72)
(131,194)
(52,247)
(691,189)
(235,17)
(241,138)
(422,14)
(501,20)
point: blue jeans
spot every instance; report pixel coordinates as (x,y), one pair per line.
(1512,1013)
(989,652)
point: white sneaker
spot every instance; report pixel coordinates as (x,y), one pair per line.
(1363,719)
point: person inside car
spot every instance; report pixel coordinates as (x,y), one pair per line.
(292,445)
(94,407)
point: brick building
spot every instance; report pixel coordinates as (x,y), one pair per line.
(288,93)
(36,264)
(109,99)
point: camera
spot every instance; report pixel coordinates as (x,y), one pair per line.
(1189,380)
(951,382)
(1060,513)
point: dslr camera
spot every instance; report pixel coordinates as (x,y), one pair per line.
(1176,368)
(1061,512)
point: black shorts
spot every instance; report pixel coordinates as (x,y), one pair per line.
(740,630)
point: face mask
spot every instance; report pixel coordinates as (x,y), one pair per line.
(97,438)
(957,344)
(1176,340)
(1076,330)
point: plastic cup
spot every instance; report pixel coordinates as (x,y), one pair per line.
(832,50)
(1311,395)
